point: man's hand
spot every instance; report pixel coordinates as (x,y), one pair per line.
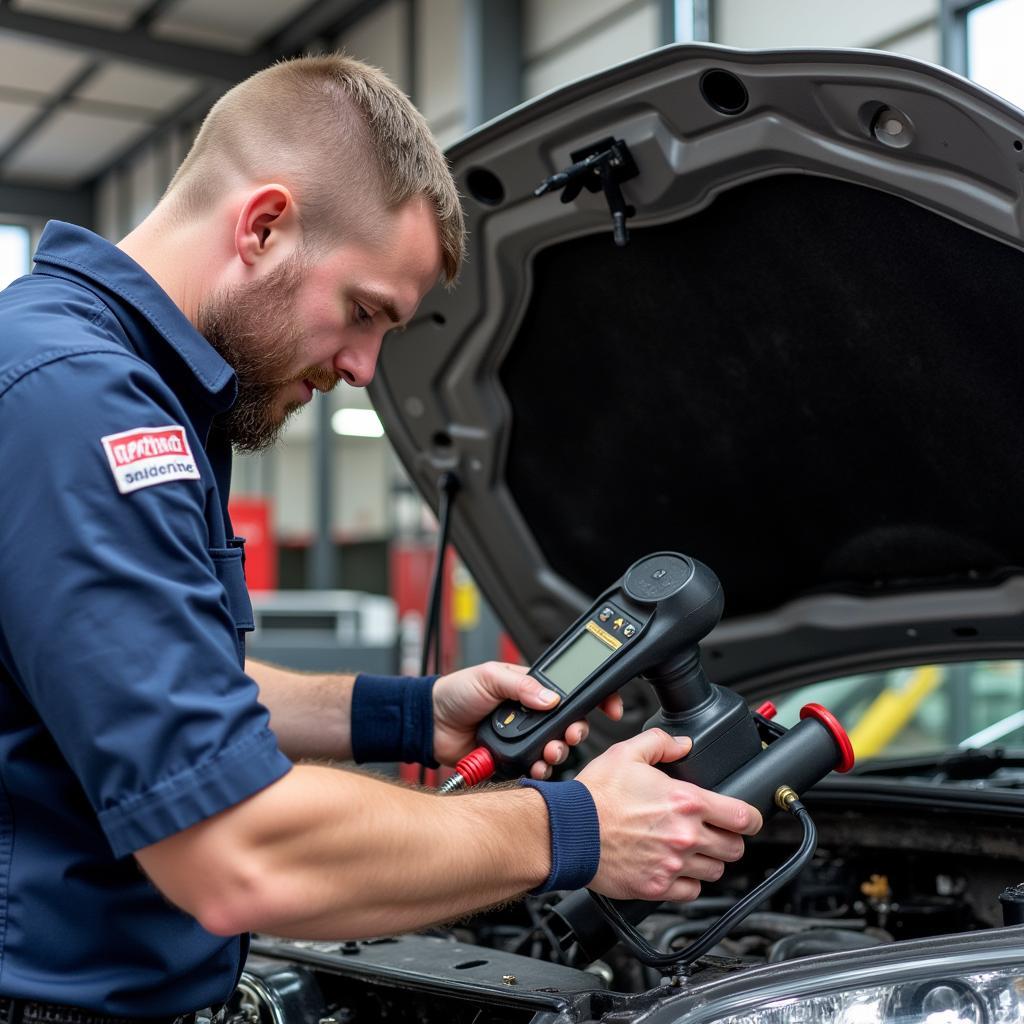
(463,698)
(660,837)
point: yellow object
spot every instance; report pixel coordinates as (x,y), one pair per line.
(891,710)
(465,602)
(603,635)
(876,887)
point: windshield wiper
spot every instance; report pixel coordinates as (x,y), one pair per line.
(993,732)
(965,765)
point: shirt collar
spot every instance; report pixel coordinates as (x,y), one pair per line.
(83,254)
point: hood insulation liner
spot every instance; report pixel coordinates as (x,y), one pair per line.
(808,385)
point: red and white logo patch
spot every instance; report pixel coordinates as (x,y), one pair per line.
(149,455)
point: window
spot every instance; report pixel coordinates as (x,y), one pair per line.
(994,32)
(15,252)
(982,41)
(922,710)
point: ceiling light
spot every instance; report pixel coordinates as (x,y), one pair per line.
(357,423)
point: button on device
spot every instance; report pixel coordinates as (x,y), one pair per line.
(525,723)
(657,577)
(605,614)
(504,717)
(617,624)
(629,630)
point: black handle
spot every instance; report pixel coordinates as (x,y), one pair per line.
(798,759)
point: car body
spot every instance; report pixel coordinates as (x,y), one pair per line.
(804,368)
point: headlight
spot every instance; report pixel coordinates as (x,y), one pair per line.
(991,997)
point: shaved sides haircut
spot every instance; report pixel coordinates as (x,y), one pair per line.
(340,135)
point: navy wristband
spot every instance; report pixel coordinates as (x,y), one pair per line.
(575,834)
(393,719)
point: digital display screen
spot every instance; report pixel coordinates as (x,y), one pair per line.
(584,654)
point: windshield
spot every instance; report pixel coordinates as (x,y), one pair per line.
(924,710)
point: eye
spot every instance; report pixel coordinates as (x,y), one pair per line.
(363,315)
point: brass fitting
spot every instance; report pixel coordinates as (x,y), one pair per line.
(785,797)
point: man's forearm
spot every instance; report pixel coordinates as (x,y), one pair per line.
(330,854)
(311,714)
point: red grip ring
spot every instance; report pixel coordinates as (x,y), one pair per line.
(767,710)
(836,731)
(476,766)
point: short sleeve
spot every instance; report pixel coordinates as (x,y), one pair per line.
(112,619)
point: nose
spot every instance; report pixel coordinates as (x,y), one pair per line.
(357,364)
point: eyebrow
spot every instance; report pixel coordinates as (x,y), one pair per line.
(381,301)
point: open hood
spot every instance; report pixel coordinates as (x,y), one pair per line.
(805,368)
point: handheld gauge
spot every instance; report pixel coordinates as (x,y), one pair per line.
(646,622)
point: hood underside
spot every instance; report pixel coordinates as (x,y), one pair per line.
(804,368)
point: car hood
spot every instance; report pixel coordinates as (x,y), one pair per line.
(804,368)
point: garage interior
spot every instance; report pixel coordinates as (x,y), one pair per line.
(100,100)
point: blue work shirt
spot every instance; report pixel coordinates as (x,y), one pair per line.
(125,712)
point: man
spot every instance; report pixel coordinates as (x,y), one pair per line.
(153,807)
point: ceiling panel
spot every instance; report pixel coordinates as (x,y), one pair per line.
(154,90)
(109,13)
(39,67)
(71,147)
(231,24)
(13,117)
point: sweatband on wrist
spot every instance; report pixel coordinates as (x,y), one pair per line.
(575,834)
(393,719)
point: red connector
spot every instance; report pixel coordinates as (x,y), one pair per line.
(477,766)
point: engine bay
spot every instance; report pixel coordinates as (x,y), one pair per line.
(882,874)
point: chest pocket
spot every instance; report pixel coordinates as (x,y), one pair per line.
(227,564)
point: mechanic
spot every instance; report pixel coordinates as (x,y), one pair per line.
(156,800)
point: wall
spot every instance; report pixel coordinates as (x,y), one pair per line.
(905,26)
(562,42)
(363,471)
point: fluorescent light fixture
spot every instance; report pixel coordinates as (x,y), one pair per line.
(357,423)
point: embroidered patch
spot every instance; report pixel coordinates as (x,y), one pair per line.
(149,455)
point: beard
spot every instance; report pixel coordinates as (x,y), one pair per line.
(253,328)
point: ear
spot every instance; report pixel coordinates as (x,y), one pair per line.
(267,224)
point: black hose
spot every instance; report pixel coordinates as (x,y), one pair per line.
(448,486)
(772,923)
(652,957)
(820,940)
(540,928)
(783,925)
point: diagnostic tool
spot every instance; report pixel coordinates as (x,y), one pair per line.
(645,622)
(649,624)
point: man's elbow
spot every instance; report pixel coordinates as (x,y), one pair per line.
(254,900)
(227,912)
(228,892)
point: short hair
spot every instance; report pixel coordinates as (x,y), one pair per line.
(336,130)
